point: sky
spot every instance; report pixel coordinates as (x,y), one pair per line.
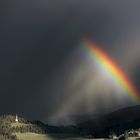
(44,73)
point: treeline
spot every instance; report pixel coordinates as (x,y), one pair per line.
(28,128)
(11,119)
(8,137)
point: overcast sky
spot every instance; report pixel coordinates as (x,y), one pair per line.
(40,54)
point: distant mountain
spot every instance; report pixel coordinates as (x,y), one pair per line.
(118,122)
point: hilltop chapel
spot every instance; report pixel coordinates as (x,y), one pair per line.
(16,120)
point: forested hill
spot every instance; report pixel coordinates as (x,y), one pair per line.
(9,127)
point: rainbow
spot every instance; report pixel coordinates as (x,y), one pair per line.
(106,64)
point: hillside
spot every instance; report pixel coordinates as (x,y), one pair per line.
(118,122)
(36,130)
(9,127)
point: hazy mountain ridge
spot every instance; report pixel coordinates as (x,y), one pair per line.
(117,121)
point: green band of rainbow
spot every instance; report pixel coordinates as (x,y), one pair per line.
(108,66)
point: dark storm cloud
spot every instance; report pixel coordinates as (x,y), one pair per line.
(37,37)
(33,41)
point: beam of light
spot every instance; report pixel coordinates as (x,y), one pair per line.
(109,67)
(90,83)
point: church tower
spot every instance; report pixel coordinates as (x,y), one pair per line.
(16,119)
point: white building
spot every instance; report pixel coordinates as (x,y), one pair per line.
(16,120)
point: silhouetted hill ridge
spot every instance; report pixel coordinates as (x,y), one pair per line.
(118,121)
